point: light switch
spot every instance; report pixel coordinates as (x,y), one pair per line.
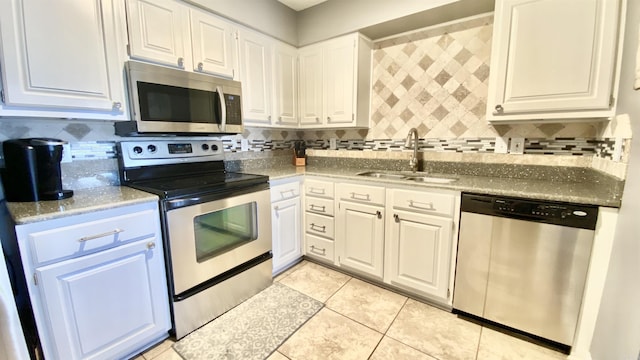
(333,144)
(517,146)
(244,145)
(66,153)
(502,145)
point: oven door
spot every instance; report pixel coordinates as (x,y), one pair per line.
(207,239)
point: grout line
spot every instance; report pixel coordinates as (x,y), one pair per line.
(479,340)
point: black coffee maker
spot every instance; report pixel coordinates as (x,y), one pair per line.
(32,170)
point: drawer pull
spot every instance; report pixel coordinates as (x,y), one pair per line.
(357,196)
(151,245)
(421,205)
(92,237)
(316,191)
(284,192)
(317,250)
(318,227)
(318,208)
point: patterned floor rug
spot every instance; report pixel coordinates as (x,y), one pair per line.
(253,329)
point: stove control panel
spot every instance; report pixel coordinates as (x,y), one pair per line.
(156,152)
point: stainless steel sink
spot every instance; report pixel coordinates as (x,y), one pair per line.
(410,176)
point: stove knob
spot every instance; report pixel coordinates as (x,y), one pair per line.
(152,148)
(137,150)
(205,147)
(214,147)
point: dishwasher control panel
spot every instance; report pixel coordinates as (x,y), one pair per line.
(573,215)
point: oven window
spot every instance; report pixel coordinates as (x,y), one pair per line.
(225,230)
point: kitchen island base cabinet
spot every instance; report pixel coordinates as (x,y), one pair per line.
(97,282)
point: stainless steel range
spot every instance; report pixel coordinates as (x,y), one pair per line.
(216,225)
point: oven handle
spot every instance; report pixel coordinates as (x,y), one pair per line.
(223,108)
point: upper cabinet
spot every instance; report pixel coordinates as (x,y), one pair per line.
(255,75)
(63,59)
(285,81)
(552,60)
(335,83)
(171,33)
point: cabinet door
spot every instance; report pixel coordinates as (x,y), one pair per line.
(62,55)
(311,86)
(419,252)
(360,237)
(287,231)
(102,305)
(255,74)
(566,65)
(339,69)
(213,43)
(286,85)
(159,32)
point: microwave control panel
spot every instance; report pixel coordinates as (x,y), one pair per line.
(234,113)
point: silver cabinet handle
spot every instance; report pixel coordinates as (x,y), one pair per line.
(200,66)
(284,192)
(316,191)
(357,196)
(151,245)
(314,207)
(315,249)
(97,236)
(421,205)
(181,62)
(499,109)
(318,227)
(396,218)
(117,105)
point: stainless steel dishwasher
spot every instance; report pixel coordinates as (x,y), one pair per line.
(523,264)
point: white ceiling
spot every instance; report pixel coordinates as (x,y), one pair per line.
(299,5)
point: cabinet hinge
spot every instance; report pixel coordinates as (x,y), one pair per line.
(129,49)
(2,96)
(35,279)
(353,117)
(448,293)
(612,100)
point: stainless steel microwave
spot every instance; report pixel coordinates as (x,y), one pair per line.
(167,101)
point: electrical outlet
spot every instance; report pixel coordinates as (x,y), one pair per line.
(502,145)
(517,146)
(66,153)
(244,145)
(617,150)
(333,144)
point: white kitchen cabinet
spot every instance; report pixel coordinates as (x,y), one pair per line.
(98,284)
(420,241)
(335,79)
(554,60)
(285,95)
(171,33)
(319,220)
(63,59)
(256,76)
(286,215)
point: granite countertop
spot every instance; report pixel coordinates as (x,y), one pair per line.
(601,193)
(82,201)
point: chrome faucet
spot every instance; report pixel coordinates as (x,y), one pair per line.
(413,162)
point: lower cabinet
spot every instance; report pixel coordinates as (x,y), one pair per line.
(98,284)
(286,218)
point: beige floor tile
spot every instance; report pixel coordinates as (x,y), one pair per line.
(316,281)
(287,272)
(392,349)
(158,349)
(168,354)
(495,345)
(435,332)
(329,335)
(277,356)
(367,304)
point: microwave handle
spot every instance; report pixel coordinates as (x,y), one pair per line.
(223,108)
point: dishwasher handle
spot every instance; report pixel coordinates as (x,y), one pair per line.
(549,212)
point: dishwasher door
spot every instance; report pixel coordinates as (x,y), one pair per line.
(523,274)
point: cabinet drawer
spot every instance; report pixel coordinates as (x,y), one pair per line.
(80,239)
(424,201)
(285,191)
(361,193)
(318,188)
(319,247)
(319,206)
(319,225)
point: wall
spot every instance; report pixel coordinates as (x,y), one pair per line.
(617,333)
(270,17)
